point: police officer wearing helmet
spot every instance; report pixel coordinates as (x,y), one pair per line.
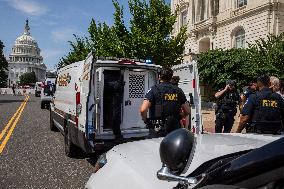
(265,109)
(165,101)
(227,101)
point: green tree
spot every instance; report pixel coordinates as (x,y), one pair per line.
(122,35)
(3,67)
(80,48)
(264,56)
(147,37)
(103,40)
(28,78)
(150,26)
(217,66)
(269,55)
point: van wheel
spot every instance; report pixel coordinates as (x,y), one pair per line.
(51,125)
(70,148)
(42,105)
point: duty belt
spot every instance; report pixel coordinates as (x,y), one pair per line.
(157,124)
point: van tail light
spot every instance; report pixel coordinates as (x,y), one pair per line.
(193,129)
(78,107)
(78,98)
(193,83)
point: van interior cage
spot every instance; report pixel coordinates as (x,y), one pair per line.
(136,86)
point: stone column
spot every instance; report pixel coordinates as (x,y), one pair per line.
(209,9)
(193,11)
(197,11)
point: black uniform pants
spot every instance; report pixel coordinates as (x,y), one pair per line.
(224,121)
(116,118)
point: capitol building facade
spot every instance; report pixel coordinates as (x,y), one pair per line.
(25,58)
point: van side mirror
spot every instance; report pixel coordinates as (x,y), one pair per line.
(175,149)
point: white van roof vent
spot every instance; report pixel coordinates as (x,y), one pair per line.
(136,86)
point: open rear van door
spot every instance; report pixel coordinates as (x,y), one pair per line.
(189,83)
(134,91)
(98,100)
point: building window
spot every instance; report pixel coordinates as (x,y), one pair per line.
(183,18)
(240,39)
(241,3)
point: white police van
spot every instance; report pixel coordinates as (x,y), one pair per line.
(47,89)
(80,107)
(38,86)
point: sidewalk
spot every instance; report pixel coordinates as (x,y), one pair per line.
(209,121)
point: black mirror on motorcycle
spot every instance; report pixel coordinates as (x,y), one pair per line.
(175,149)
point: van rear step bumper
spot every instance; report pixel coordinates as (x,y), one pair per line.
(127,134)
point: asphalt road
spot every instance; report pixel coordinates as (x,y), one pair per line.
(33,156)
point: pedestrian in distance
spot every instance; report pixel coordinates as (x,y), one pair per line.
(164,102)
(13,89)
(265,110)
(227,101)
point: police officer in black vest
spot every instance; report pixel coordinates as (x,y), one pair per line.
(265,109)
(165,102)
(227,101)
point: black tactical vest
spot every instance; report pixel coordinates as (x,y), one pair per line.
(267,113)
(166,101)
(228,101)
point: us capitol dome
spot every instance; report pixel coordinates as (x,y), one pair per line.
(25,58)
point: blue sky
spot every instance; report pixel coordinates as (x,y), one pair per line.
(52,22)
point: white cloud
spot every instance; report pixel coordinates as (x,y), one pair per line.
(28,6)
(64,34)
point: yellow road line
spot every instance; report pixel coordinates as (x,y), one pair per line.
(11,120)
(3,144)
